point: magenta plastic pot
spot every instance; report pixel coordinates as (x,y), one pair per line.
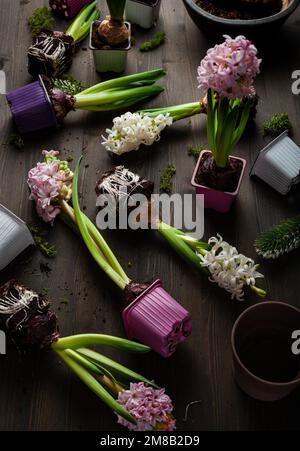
(157,320)
(31,107)
(68,8)
(220,201)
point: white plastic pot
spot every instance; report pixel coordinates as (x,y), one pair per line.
(278,164)
(14,236)
(110,60)
(141,13)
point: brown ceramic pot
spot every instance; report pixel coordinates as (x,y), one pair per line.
(264,365)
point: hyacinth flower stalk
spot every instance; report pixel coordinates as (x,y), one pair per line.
(217,259)
(139,403)
(42,104)
(133,130)
(279,240)
(52,52)
(166,324)
(220,261)
(130,131)
(226,75)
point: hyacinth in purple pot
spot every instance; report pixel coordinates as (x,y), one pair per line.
(43,104)
(53,186)
(140,405)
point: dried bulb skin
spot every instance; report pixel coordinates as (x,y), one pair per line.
(113,33)
(26,317)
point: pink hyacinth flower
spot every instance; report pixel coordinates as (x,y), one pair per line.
(229,68)
(47,183)
(151,408)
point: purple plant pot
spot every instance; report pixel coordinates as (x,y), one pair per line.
(68,8)
(220,201)
(157,320)
(31,107)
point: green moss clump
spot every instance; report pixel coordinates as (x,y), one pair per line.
(41,19)
(17,141)
(277,124)
(166,177)
(38,235)
(194,151)
(157,40)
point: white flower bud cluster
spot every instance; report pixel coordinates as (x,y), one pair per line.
(131,130)
(229,269)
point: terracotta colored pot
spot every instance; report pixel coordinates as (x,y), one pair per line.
(220,201)
(264,365)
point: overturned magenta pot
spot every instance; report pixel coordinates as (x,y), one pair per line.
(156,319)
(68,8)
(31,107)
(265,364)
(220,201)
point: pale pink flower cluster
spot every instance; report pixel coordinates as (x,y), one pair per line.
(230,68)
(50,182)
(151,408)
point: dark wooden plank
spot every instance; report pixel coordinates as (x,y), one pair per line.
(39,393)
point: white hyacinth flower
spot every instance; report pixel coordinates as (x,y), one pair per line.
(131,130)
(229,269)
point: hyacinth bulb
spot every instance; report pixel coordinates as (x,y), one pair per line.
(50,54)
(26,317)
(62,103)
(110,32)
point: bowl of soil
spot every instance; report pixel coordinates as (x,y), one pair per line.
(219,186)
(249,17)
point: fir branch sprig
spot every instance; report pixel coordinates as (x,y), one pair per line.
(280,239)
(68,84)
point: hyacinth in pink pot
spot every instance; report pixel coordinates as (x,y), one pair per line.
(151,315)
(226,75)
(27,319)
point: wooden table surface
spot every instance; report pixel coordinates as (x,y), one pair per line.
(38,393)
